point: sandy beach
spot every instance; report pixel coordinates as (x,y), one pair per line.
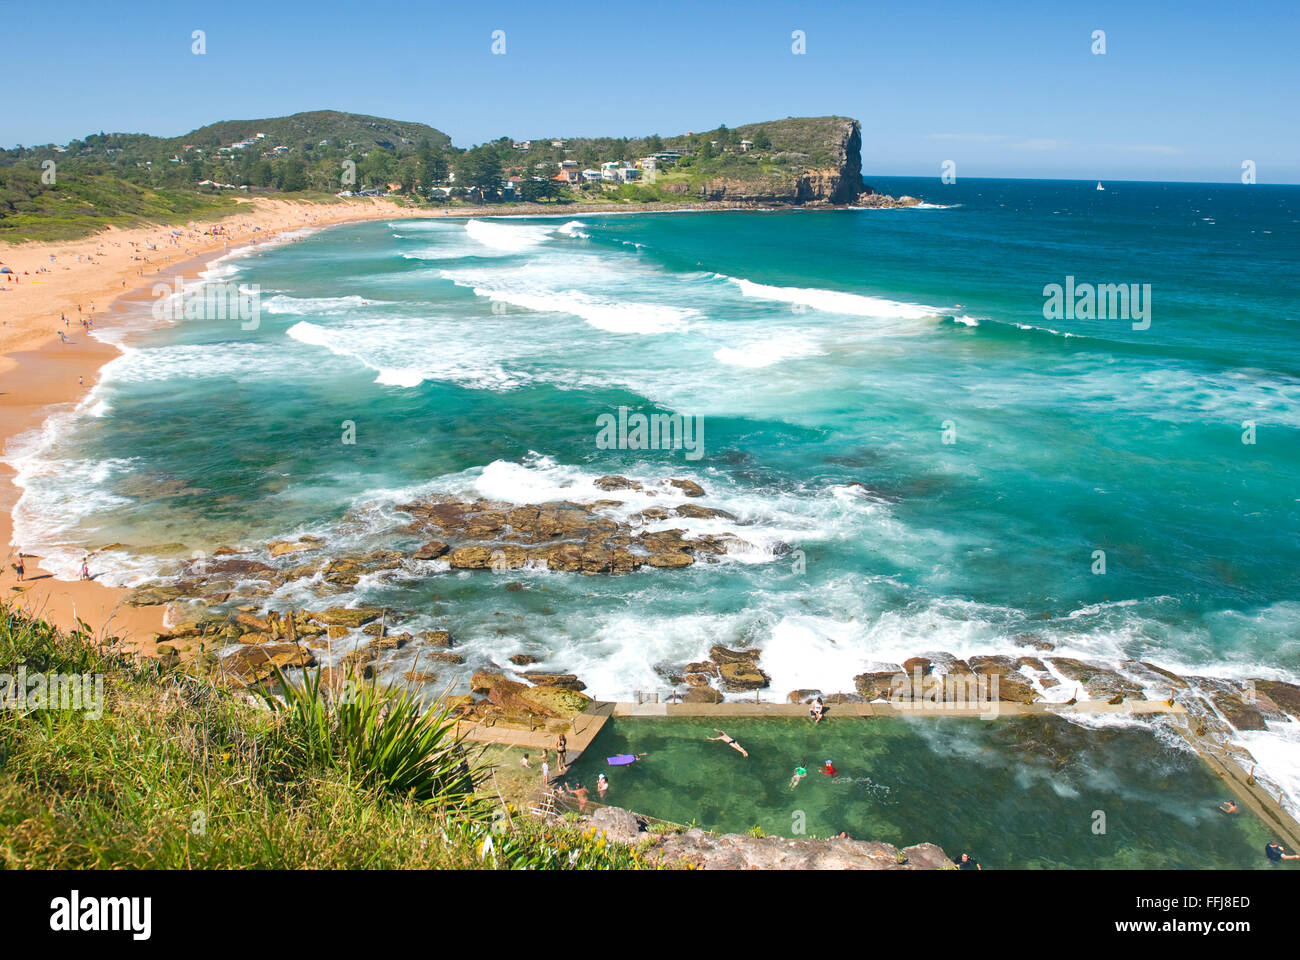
(48,360)
(40,371)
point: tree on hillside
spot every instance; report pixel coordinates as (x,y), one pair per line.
(654,144)
(479,167)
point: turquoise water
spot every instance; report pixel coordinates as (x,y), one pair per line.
(822,349)
(1018,793)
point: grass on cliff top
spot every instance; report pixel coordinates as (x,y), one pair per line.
(175,773)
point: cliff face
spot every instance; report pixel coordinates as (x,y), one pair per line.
(801,160)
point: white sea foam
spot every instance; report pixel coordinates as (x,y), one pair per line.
(511,237)
(520,289)
(835,301)
(764,353)
(318,306)
(310,333)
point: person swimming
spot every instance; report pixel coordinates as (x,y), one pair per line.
(729,742)
(799,773)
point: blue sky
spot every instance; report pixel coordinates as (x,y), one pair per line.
(1184,91)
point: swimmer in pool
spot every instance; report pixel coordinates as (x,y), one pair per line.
(799,773)
(729,742)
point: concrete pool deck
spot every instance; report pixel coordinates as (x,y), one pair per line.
(581,730)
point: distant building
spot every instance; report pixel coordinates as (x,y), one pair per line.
(746,145)
(522,144)
(591,176)
(570,177)
(559,144)
(649,164)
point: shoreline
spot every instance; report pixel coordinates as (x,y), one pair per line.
(41,374)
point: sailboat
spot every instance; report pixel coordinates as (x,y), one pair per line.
(1099,186)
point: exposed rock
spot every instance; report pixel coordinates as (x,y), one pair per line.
(430,551)
(923,664)
(345,616)
(471,558)
(615,482)
(1229,698)
(618,825)
(1012,685)
(741,676)
(250,664)
(439,638)
(565,681)
(554,701)
(694,511)
(720,654)
(950,665)
(1285,695)
(278,548)
(802,696)
(702,695)
(1102,683)
(669,559)
(524,659)
(688,487)
(732,851)
(875,686)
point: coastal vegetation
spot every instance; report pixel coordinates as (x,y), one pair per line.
(172,772)
(56,192)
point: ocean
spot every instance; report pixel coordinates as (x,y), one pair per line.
(920,453)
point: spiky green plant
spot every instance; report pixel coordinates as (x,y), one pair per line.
(383,734)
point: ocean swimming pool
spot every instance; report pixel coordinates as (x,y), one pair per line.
(1026,792)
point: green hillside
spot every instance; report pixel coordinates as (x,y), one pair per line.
(302,130)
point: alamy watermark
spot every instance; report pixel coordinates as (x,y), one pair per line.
(929,691)
(209,300)
(656,431)
(1100,301)
(25,692)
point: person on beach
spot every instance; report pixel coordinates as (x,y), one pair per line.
(19,568)
(85,570)
(561,752)
(602,785)
(1276,853)
(817,710)
(729,742)
(546,773)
